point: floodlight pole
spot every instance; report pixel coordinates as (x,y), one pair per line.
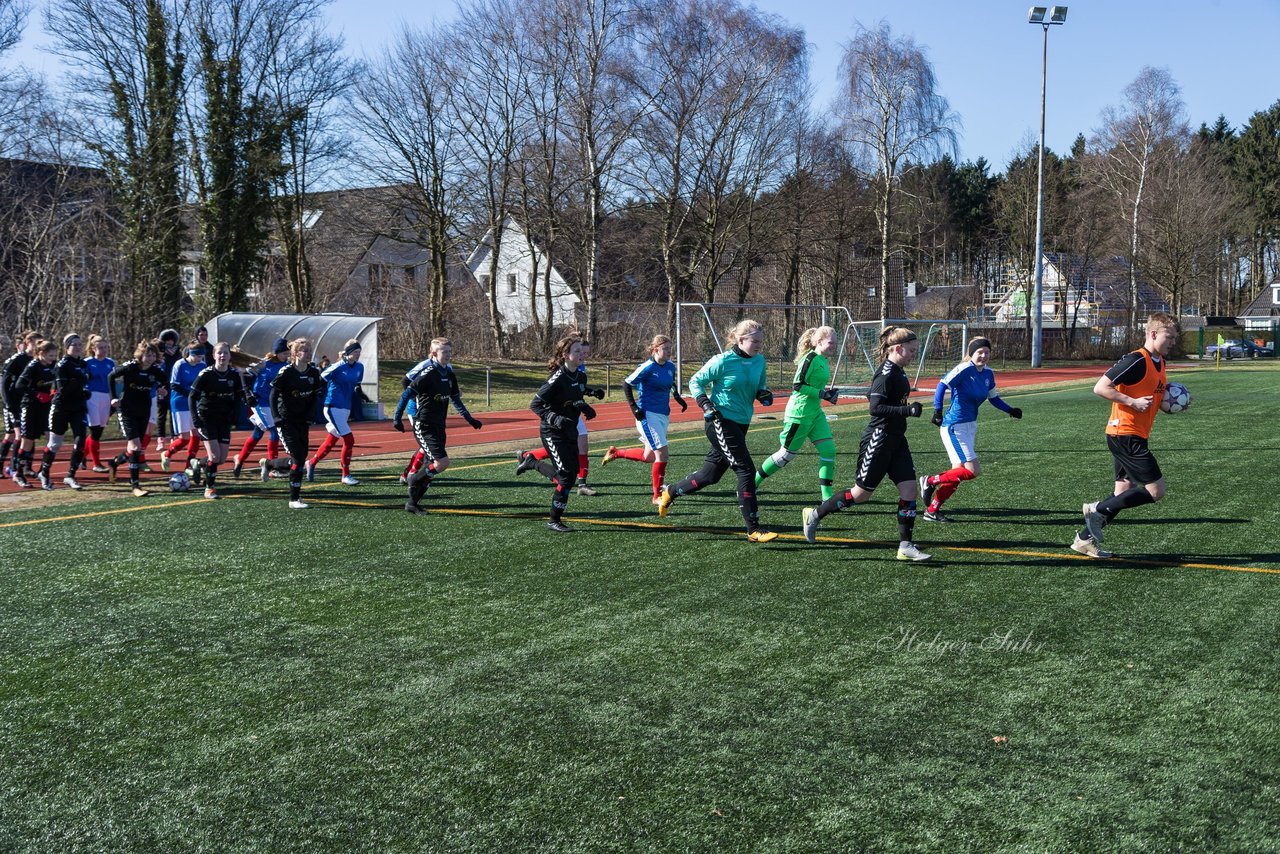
(1037,310)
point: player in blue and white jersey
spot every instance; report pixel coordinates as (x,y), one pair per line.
(970,383)
(649,390)
(100,367)
(263,375)
(343,378)
(181,378)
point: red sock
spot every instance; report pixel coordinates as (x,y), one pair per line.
(539,454)
(91,448)
(249,444)
(414,463)
(175,445)
(325,447)
(584,464)
(659,475)
(273,448)
(146,443)
(636,454)
(941,494)
(193,446)
(348,442)
(951,476)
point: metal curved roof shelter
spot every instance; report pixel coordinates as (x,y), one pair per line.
(255,333)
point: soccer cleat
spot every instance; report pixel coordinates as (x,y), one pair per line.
(760,535)
(264,470)
(297,505)
(348,480)
(404,480)
(21,481)
(146,468)
(1088,548)
(311,471)
(1094,522)
(45,482)
(911,552)
(609,456)
(524,462)
(583,489)
(139,492)
(164,460)
(211,494)
(559,527)
(236,466)
(926,491)
(665,501)
(935,516)
(411,507)
(72,482)
(809,522)
(100,468)
(112,470)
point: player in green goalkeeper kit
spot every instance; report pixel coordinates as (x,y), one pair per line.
(804,420)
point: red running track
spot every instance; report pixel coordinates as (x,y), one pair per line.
(377,438)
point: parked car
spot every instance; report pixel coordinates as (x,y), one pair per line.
(1238,349)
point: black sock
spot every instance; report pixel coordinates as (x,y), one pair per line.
(46,461)
(839,501)
(135,465)
(1135,497)
(211,475)
(77,459)
(906,520)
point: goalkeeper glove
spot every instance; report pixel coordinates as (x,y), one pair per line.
(937,418)
(709,411)
(597,393)
(765,397)
(587,412)
(914,409)
(830,395)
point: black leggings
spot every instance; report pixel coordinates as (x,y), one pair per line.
(563,451)
(728,451)
(297,447)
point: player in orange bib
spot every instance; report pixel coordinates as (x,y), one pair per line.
(1134,385)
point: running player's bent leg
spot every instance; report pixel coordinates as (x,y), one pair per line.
(791,441)
(562,452)
(714,465)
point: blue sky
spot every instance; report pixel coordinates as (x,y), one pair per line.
(985,54)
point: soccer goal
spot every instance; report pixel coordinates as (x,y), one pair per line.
(942,347)
(702,331)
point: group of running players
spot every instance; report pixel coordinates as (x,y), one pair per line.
(48,395)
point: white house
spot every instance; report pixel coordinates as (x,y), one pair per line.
(517,279)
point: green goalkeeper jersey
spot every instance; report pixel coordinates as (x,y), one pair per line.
(812,376)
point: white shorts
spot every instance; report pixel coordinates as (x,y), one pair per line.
(582,425)
(961,442)
(181,419)
(653,430)
(99,408)
(265,418)
(337,419)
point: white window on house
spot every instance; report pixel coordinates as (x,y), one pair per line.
(310,217)
(871,291)
(511,283)
(189,276)
(1275,295)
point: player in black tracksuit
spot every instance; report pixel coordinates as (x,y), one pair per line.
(35,389)
(70,411)
(217,396)
(558,404)
(434,388)
(294,394)
(169,356)
(884,449)
(12,404)
(139,377)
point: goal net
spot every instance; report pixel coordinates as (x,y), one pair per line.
(942,347)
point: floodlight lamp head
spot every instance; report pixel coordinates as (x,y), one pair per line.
(1036,14)
(1058,15)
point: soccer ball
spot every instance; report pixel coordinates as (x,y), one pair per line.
(1176,398)
(179,482)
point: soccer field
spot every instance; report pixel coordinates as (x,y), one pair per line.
(232,675)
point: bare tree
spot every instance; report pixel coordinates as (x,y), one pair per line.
(892,116)
(13,20)
(399,111)
(1135,138)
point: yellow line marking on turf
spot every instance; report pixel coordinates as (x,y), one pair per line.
(155,506)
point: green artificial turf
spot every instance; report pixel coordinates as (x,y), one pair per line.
(237,676)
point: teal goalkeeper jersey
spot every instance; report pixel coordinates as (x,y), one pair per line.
(731,381)
(812,376)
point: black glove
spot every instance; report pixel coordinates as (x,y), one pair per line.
(561,422)
(474,422)
(765,397)
(914,409)
(638,413)
(937,418)
(683,405)
(709,411)
(597,393)
(830,395)
(398,425)
(587,412)
(1015,412)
